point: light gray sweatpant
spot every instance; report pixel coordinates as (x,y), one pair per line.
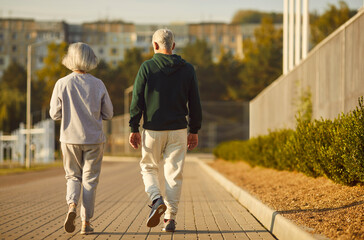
(172,146)
(82,164)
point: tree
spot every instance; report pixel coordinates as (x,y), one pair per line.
(12,97)
(262,59)
(15,77)
(51,72)
(211,86)
(329,21)
(198,54)
(133,58)
(118,79)
(253,16)
(227,72)
(115,82)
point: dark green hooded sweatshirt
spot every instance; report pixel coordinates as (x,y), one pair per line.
(165,92)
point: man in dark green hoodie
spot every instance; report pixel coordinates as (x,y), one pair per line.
(165,93)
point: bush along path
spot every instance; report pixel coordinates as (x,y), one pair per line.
(330,148)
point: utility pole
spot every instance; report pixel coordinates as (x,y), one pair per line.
(28,152)
(29,81)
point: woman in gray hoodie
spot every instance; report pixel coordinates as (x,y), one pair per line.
(81,102)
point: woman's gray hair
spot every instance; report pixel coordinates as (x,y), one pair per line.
(80,56)
(164,38)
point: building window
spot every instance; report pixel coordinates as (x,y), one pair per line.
(1,36)
(114,51)
(115,39)
(1,61)
(14,36)
(232,39)
(13,48)
(101,51)
(40,59)
(1,48)
(141,39)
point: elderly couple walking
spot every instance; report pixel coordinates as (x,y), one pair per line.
(165,93)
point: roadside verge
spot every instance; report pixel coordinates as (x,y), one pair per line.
(278,225)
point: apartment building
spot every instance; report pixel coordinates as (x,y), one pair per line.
(17,34)
(109,40)
(145,33)
(221,37)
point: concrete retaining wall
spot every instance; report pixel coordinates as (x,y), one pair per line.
(334,73)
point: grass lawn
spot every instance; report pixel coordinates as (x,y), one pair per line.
(11,168)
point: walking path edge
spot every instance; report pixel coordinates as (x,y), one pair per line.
(279,226)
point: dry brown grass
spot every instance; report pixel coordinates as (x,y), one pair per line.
(329,209)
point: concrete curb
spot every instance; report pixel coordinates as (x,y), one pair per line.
(281,227)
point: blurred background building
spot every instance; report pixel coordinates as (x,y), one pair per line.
(110,39)
(17,34)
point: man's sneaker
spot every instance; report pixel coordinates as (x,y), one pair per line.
(169,225)
(69,224)
(86,228)
(158,208)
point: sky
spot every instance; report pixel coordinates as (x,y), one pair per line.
(146,11)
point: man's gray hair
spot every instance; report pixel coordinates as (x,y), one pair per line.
(80,56)
(164,38)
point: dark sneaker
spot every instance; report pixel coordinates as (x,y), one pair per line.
(86,228)
(169,225)
(69,224)
(158,208)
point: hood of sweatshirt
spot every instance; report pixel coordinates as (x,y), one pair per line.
(168,64)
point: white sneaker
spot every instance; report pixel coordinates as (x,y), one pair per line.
(69,224)
(86,228)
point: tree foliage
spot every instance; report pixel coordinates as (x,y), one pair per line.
(198,53)
(262,59)
(12,97)
(215,79)
(329,21)
(121,77)
(51,72)
(253,16)
(235,79)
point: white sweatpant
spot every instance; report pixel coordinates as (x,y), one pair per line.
(171,146)
(82,164)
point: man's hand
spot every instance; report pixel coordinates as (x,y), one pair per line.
(192,141)
(135,140)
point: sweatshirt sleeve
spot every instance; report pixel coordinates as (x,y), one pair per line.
(194,106)
(107,110)
(55,111)
(137,103)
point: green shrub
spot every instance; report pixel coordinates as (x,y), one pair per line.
(331,148)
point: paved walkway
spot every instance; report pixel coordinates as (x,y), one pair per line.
(36,209)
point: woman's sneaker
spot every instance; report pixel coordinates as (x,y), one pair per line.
(86,228)
(158,208)
(69,223)
(169,225)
